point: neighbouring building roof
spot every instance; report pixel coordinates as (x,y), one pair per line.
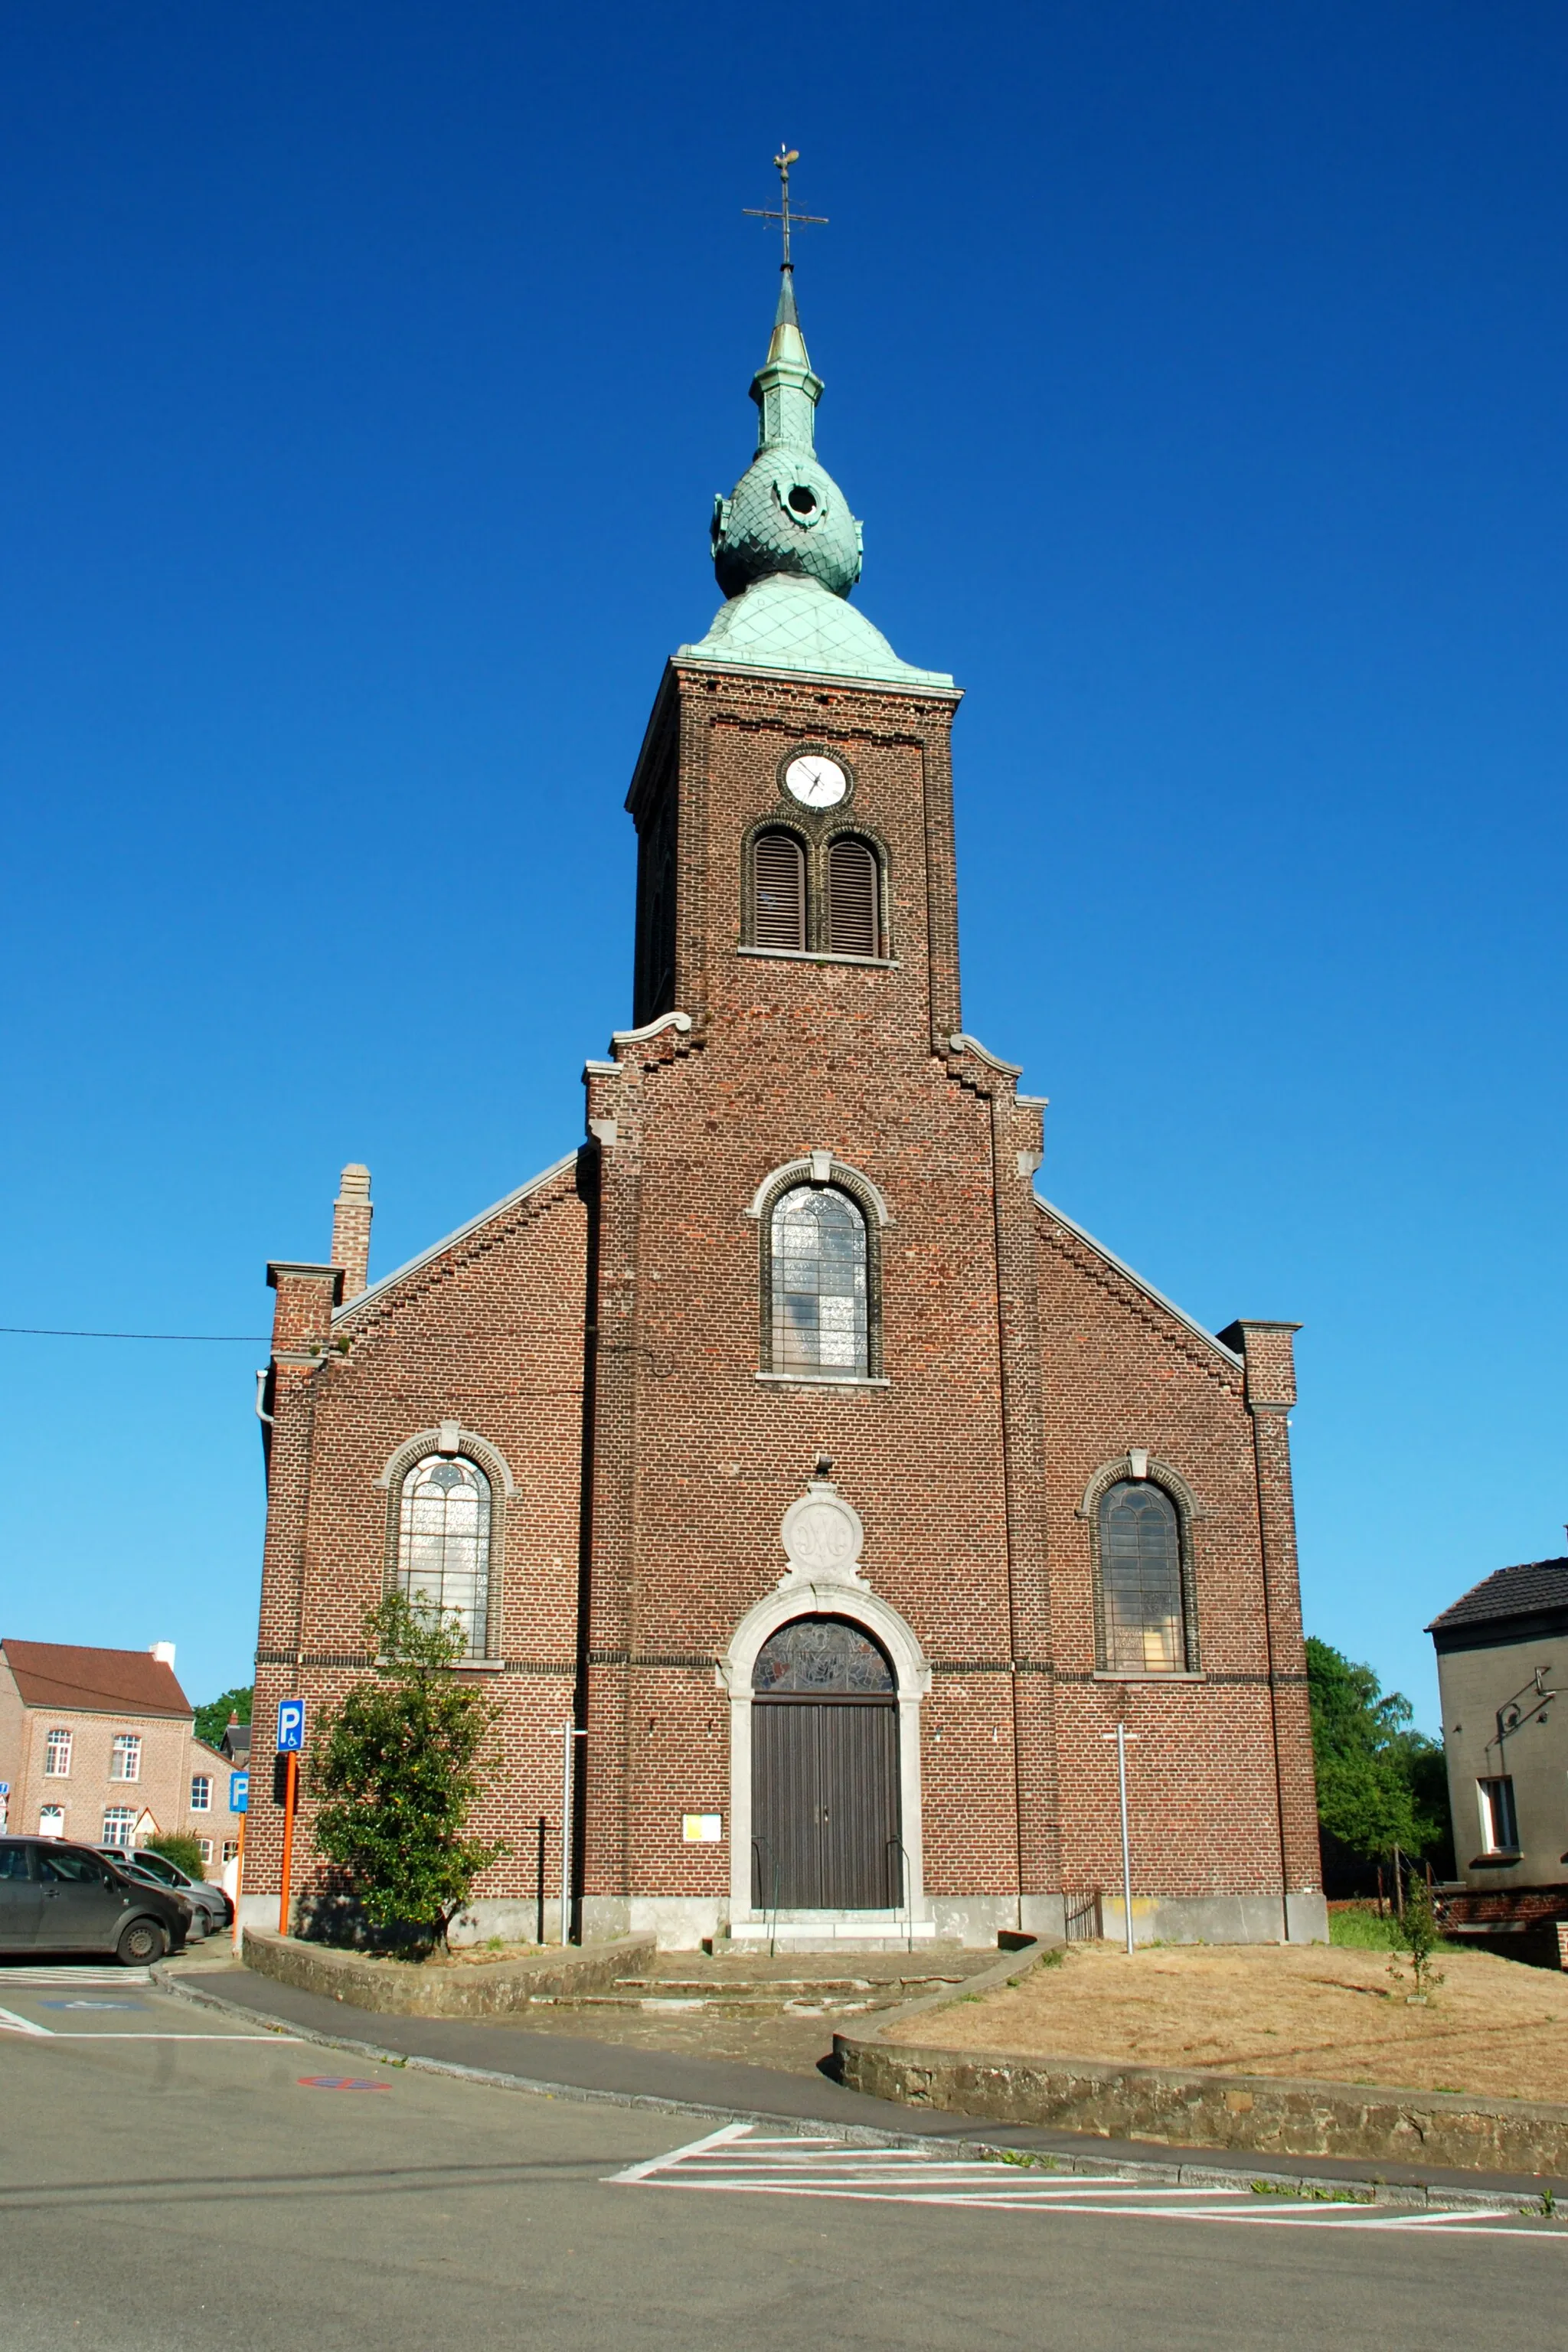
(1537,1588)
(113,1682)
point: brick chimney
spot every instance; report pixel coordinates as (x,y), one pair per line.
(351,1214)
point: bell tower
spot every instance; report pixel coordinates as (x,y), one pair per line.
(794,795)
(813,1229)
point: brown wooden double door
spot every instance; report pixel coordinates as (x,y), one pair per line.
(826,1818)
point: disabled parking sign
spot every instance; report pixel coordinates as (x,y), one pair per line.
(239,1793)
(290,1726)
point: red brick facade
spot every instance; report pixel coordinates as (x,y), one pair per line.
(596,1343)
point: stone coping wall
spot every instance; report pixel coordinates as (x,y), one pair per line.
(1260,2114)
(471,1988)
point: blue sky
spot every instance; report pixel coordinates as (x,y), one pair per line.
(1201,374)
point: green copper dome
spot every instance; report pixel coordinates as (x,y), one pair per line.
(786,549)
(787,513)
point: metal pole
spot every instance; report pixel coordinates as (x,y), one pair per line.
(538,1887)
(566,1731)
(290,1788)
(1126,1841)
(238,1937)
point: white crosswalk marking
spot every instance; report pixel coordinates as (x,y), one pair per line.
(738,2159)
(74,1974)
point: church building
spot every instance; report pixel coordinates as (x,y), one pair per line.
(827,1494)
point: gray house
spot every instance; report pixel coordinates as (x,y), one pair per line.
(1502,1669)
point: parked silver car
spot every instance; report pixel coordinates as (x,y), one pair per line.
(211,1906)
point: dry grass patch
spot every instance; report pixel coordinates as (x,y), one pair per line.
(1492,2027)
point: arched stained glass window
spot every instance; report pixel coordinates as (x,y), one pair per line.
(444,1543)
(1141,1581)
(820,1324)
(822,1657)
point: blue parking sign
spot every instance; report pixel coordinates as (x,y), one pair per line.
(291,1725)
(239,1793)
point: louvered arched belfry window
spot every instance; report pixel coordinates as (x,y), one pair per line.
(854,899)
(778,891)
(444,1543)
(820,1317)
(1143,1612)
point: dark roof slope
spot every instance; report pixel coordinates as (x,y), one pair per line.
(115,1682)
(1524,1592)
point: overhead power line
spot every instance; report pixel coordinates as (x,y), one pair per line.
(211,1339)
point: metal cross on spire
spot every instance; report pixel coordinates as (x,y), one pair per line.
(784,216)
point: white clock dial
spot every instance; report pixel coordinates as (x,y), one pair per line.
(816,782)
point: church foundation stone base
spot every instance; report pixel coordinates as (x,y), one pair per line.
(1218,1919)
(683,1925)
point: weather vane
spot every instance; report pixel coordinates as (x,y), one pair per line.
(785,219)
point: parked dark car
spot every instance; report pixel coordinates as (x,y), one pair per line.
(212,1906)
(56,1897)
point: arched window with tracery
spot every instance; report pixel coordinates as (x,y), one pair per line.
(778,891)
(854,899)
(444,1543)
(1142,1607)
(819,1288)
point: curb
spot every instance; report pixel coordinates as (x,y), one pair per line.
(1173,2174)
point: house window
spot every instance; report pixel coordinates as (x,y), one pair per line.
(125,1757)
(778,891)
(231,1849)
(444,1543)
(58,1756)
(204,1847)
(821,1326)
(119,1825)
(1500,1821)
(1143,1628)
(854,899)
(51,1821)
(201,1792)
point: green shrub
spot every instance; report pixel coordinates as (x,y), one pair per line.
(182,1851)
(401,1763)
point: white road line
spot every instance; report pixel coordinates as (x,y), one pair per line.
(76,1976)
(730,2162)
(87,2034)
(15,2024)
(693,2148)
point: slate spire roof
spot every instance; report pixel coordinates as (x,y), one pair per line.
(786,549)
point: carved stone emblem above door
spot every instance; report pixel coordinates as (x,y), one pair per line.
(822,1535)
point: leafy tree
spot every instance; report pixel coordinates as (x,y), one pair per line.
(400,1764)
(182,1851)
(1417,1935)
(1380,1784)
(212,1720)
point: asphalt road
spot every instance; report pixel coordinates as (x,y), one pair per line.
(170,2179)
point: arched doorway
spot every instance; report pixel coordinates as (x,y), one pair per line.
(826,1816)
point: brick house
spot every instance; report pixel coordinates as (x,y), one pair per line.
(840,1491)
(98,1747)
(1503,1671)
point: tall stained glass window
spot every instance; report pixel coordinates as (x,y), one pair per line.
(819,1290)
(1141,1581)
(444,1543)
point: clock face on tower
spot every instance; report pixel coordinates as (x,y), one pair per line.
(816,780)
